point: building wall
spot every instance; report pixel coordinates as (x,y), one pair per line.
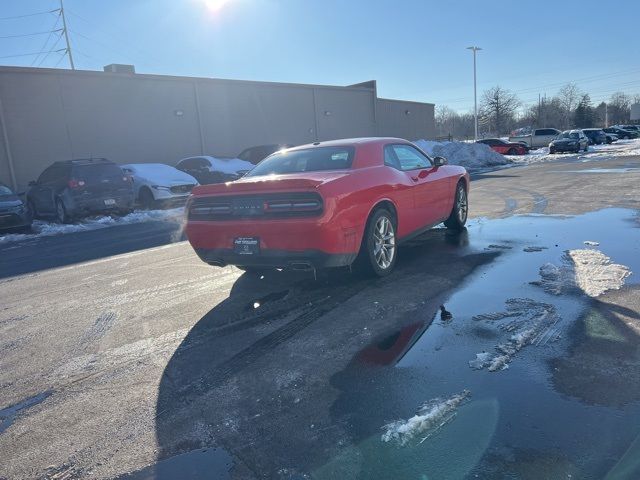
(53,114)
(410,120)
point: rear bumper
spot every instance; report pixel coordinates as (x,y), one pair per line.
(304,260)
(77,206)
(315,241)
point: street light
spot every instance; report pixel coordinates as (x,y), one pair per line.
(475,95)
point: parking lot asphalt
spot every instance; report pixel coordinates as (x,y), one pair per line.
(123,355)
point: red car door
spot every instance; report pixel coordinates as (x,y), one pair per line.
(431,185)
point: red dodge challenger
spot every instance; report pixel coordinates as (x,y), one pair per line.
(504,147)
(327,204)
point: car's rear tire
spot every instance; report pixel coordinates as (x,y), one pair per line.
(146,198)
(61,212)
(586,147)
(552,150)
(460,210)
(512,151)
(378,251)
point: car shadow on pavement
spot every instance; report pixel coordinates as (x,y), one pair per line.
(253,375)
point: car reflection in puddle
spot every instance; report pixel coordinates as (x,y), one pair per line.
(564,404)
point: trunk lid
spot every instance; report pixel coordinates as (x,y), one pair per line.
(291,182)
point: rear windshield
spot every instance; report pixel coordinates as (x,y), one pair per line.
(308,160)
(96,173)
(569,135)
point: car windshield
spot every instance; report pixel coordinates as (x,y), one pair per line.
(306,160)
(96,173)
(571,135)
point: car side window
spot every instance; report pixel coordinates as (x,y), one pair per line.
(390,158)
(410,158)
(50,176)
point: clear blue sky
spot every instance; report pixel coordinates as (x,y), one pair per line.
(415,49)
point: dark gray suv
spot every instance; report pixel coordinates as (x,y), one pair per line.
(77,188)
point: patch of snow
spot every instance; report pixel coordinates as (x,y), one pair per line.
(430,417)
(472,156)
(229,165)
(41,228)
(585,270)
(531,322)
(590,243)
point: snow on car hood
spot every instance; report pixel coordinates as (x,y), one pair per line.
(229,165)
(160,174)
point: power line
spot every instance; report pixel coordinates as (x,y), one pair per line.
(146,54)
(28,15)
(30,34)
(27,54)
(46,42)
(55,44)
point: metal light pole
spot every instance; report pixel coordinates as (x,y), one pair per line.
(475,94)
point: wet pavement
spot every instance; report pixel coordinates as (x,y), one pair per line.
(511,350)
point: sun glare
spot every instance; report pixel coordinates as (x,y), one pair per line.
(215,5)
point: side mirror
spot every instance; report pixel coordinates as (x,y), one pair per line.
(439,161)
(32,183)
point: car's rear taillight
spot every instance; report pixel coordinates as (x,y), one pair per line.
(209,210)
(73,183)
(294,205)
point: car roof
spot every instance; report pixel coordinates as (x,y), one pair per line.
(351,142)
(84,161)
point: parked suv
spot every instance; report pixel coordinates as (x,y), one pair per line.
(76,188)
(596,136)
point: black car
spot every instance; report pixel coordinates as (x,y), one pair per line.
(632,128)
(256,154)
(620,133)
(596,136)
(570,141)
(14,214)
(76,188)
(202,168)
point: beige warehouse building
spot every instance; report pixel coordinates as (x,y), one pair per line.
(52,114)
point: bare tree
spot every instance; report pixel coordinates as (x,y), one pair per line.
(569,96)
(619,108)
(497,109)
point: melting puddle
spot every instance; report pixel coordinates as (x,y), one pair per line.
(520,351)
(209,463)
(9,414)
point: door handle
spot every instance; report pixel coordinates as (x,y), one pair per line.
(415,179)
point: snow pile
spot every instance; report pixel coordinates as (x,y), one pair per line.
(532,322)
(472,156)
(41,228)
(430,417)
(586,270)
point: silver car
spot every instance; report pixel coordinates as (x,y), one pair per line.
(158,185)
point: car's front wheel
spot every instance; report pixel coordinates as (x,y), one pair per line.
(460,210)
(379,249)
